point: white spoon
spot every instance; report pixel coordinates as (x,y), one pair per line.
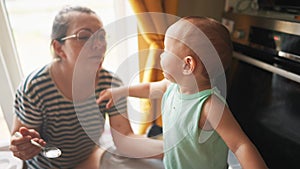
(49,152)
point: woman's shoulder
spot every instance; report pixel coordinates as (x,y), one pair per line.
(35,79)
(105,72)
(108,76)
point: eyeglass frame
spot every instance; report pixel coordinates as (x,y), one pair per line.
(75,35)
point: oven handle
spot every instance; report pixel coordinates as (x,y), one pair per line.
(268,67)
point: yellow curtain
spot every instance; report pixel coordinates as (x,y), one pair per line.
(152,27)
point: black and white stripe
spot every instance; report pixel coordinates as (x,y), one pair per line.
(39,104)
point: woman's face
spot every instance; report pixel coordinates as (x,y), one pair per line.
(88,52)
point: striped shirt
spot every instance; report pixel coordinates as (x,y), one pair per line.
(74,128)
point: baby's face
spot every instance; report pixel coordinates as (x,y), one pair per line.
(171,60)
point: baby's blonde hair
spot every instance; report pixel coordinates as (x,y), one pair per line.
(218,35)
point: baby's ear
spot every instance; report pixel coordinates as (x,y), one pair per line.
(189,65)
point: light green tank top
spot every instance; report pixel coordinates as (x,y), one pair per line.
(183,146)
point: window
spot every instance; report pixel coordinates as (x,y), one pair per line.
(3,127)
(31,22)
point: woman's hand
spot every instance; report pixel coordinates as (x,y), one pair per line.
(21,146)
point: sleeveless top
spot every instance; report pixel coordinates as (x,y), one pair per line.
(185,144)
(74,128)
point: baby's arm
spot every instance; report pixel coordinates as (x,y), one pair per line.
(222,120)
(152,90)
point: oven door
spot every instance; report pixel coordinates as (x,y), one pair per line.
(264,96)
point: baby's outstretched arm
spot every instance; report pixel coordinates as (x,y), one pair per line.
(150,90)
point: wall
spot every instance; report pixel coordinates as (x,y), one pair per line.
(209,8)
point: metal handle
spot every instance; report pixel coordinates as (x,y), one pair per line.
(268,67)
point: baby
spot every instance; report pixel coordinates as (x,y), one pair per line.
(198,126)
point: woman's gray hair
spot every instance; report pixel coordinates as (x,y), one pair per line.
(61,23)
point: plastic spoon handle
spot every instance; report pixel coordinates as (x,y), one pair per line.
(19,135)
(37,144)
(49,152)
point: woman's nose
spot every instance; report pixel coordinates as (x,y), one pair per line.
(98,43)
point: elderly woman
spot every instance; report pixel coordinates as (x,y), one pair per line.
(55,104)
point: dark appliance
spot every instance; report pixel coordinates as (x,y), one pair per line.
(291,6)
(264,85)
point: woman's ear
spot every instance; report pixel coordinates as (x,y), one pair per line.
(189,65)
(57,48)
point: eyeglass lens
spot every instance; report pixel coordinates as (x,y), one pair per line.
(85,35)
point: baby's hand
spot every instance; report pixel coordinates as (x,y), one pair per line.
(106,95)
(112,95)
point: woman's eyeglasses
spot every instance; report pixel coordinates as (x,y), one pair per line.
(84,35)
